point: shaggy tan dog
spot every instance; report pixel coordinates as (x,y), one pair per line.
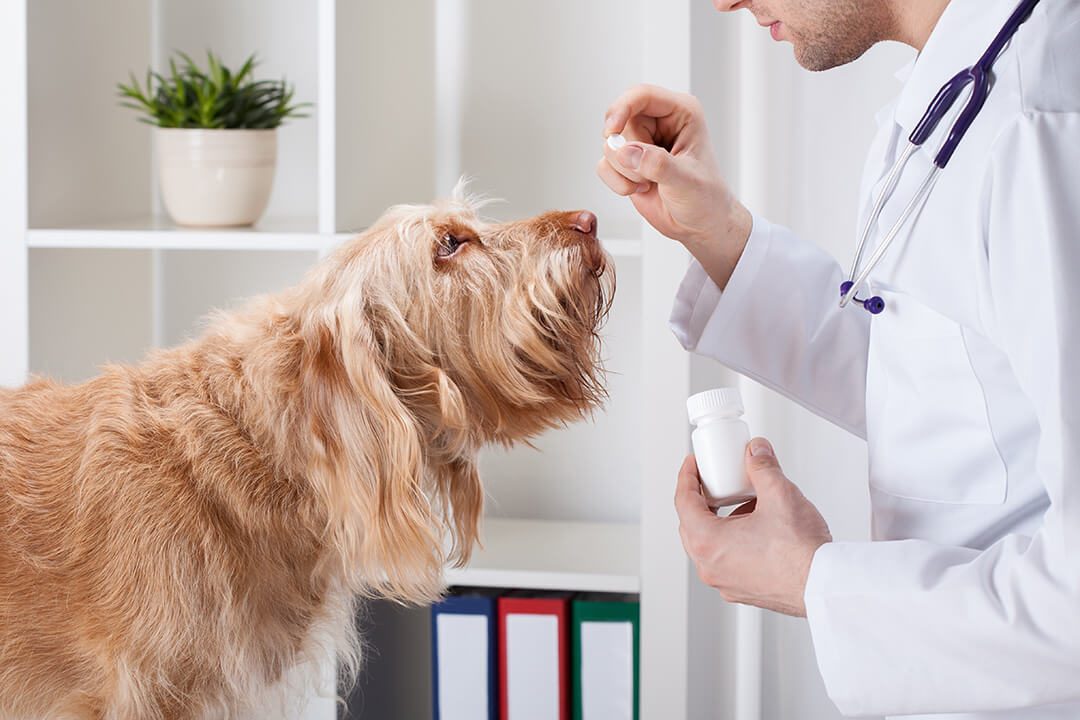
(175,535)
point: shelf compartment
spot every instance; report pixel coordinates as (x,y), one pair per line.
(155,233)
(546,555)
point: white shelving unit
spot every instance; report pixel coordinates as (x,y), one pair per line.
(548,555)
(407,96)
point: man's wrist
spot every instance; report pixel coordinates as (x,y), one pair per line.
(804,573)
(719,251)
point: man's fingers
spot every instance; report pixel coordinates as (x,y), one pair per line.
(618,182)
(689,502)
(618,160)
(643,162)
(649,100)
(694,513)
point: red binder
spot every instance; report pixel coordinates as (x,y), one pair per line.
(534,656)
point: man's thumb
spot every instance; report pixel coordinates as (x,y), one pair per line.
(762,467)
(652,163)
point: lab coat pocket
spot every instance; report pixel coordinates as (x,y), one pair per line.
(928,428)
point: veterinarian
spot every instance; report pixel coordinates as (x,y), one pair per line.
(957,357)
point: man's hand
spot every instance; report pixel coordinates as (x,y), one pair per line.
(669,171)
(759,555)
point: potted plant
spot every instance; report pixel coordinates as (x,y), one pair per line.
(216,137)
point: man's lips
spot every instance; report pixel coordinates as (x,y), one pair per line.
(774,27)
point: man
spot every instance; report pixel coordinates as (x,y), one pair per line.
(966,387)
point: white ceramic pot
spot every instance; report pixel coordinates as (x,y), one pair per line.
(216,177)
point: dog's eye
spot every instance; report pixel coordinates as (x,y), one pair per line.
(450,244)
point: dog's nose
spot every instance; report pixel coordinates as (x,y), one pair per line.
(584,222)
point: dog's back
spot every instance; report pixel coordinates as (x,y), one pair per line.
(39,431)
(126,544)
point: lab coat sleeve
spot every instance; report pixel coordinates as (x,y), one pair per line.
(912,627)
(778,321)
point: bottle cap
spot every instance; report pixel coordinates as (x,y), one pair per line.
(723,402)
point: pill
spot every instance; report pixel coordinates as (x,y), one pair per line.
(615,141)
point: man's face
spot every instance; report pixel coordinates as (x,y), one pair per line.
(824,33)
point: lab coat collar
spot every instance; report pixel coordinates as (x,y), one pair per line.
(965,30)
(886,113)
(904,73)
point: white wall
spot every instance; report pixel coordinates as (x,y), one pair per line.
(537,78)
(86,166)
(87,308)
(13,202)
(385,151)
(191,282)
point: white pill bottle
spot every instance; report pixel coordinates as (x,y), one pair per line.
(720,438)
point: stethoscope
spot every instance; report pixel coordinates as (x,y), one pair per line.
(978,76)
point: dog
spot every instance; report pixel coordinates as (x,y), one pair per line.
(176,535)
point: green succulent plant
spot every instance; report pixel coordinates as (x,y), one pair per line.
(214,98)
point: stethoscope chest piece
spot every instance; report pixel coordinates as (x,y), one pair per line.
(873,305)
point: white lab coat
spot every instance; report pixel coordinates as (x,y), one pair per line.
(967,390)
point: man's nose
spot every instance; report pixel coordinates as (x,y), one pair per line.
(729,5)
(584,222)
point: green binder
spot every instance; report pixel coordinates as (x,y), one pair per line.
(604,656)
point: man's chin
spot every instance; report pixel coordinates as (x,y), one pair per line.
(816,59)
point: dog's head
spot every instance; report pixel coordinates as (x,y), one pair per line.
(450,332)
(486,331)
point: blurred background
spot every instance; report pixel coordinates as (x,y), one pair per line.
(408,96)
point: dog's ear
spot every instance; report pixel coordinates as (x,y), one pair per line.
(439,405)
(437,400)
(462,497)
(452,410)
(369,468)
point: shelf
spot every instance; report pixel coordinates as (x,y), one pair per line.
(153,233)
(545,555)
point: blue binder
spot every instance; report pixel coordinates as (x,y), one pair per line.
(463,636)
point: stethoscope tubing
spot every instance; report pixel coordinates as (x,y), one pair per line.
(916,204)
(886,192)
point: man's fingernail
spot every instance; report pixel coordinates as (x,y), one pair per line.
(630,156)
(761,448)
(643,188)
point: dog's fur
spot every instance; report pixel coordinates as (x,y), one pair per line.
(177,534)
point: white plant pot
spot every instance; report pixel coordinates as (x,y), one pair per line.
(216,177)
